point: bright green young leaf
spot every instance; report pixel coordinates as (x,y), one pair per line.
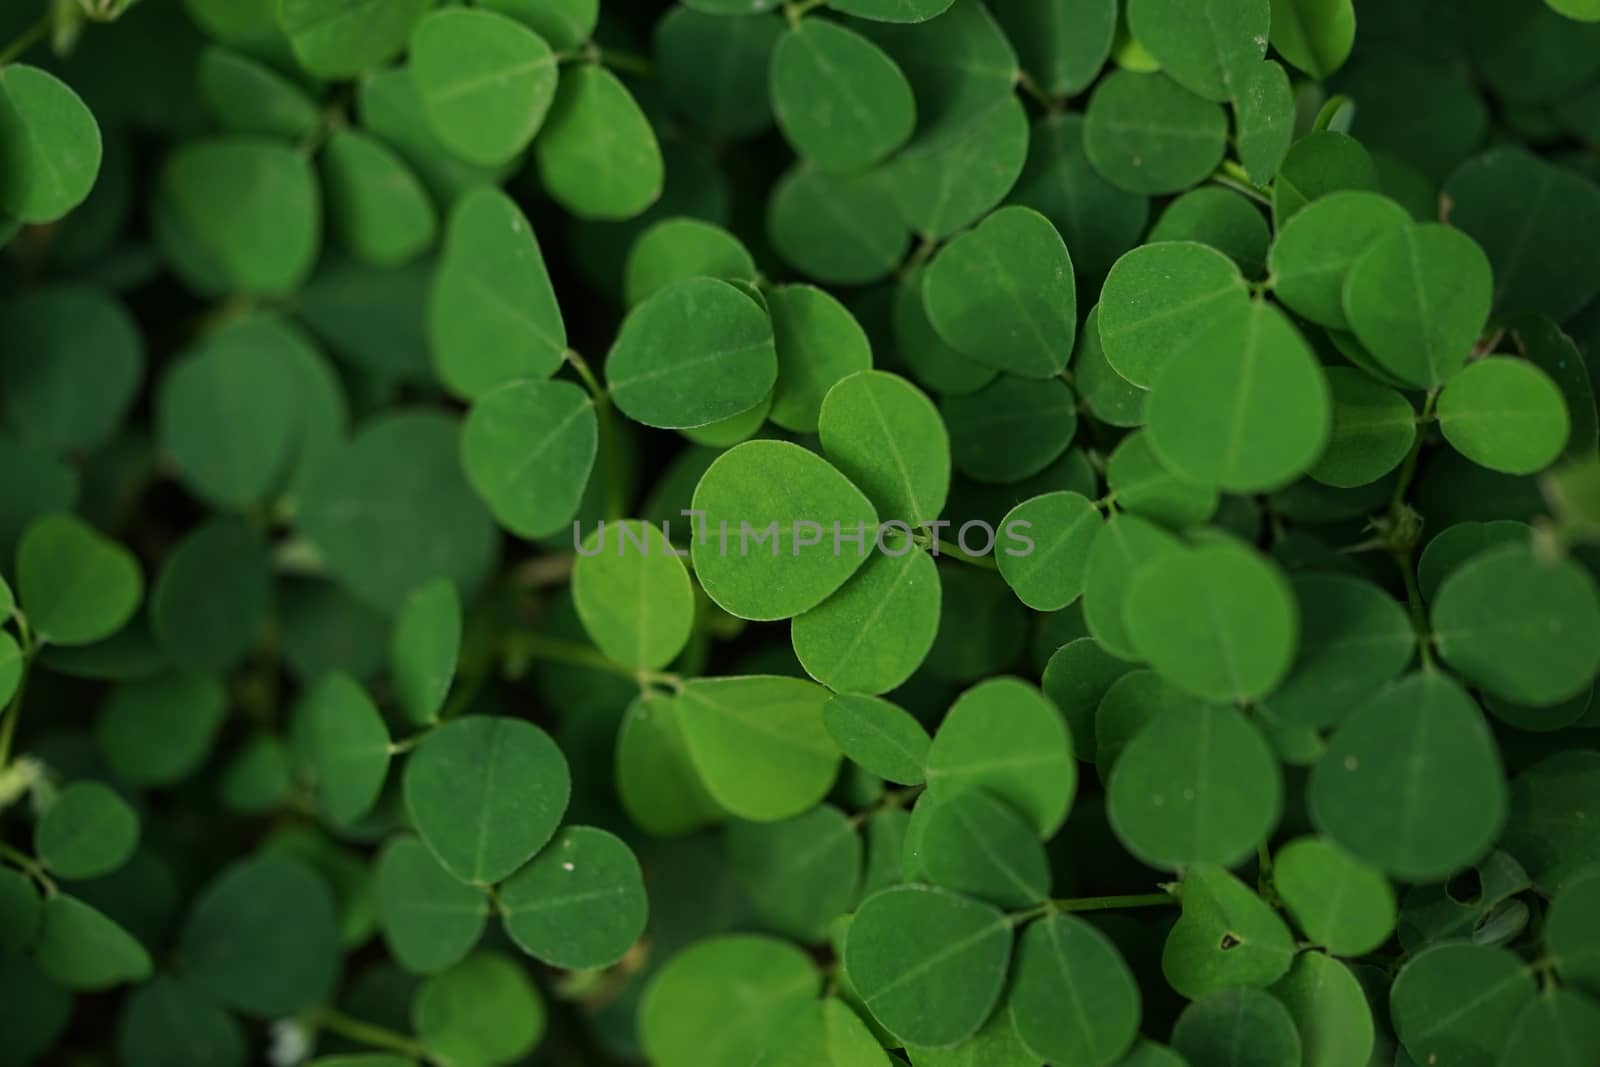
(928,964)
(1237,1028)
(379,209)
(882,737)
(1418,299)
(1147,134)
(1373,430)
(1004,294)
(1315,250)
(429,919)
(423,649)
(343,38)
(819,344)
(80,948)
(778,530)
(1047,570)
(679,248)
(1314,35)
(58,338)
(1005,736)
(801,873)
(1411,782)
(212,595)
(1227,936)
(1342,904)
(1196,785)
(1244,405)
(1205,45)
(1158,297)
(346,745)
(485,1010)
(1011,429)
(839,99)
(486,82)
(887,437)
(1429,993)
(527,449)
(580,903)
(684,1019)
(88,831)
(877,629)
(262,937)
(597,155)
(50,142)
(492,314)
(633,594)
(1505,414)
(486,793)
(1522,628)
(76,585)
(967,840)
(1063,961)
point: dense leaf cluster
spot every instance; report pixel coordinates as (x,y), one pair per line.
(386,683)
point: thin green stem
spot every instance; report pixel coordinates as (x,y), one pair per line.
(1026,83)
(950,550)
(368,1034)
(626,62)
(1408,468)
(794,12)
(1136,900)
(28,37)
(521,647)
(1419,614)
(1235,177)
(610,453)
(29,866)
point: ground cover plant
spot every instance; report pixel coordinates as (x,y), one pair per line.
(826,533)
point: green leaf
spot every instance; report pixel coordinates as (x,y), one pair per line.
(839,229)
(565,24)
(157,731)
(1320,163)
(660,789)
(1522,628)
(1220,218)
(887,437)
(801,873)
(1316,36)
(1354,639)
(57,338)
(882,737)
(1552,351)
(1411,782)
(1005,736)
(486,82)
(1550,825)
(730,98)
(1244,405)
(839,99)
(492,314)
(82,949)
(929,964)
(239,214)
(10,667)
(172,1022)
(1124,546)
(676,249)
(246,96)
(633,594)
(527,449)
(1342,904)
(1454,546)
(1077,677)
(391,509)
(1059,529)
(1572,934)
(1204,46)
(1011,429)
(1556,1029)
(1196,785)
(423,650)
(1432,989)
(1003,294)
(1062,43)
(1505,414)
(1418,299)
(50,142)
(597,155)
(1063,960)
(684,1019)
(891,10)
(1140,484)
(1227,936)
(771,493)
(580,904)
(819,343)
(1373,430)
(1098,220)
(967,840)
(430,920)
(262,938)
(1316,249)
(1109,396)
(959,167)
(697,351)
(379,209)
(88,831)
(1158,297)
(878,628)
(346,746)
(343,38)
(1263,106)
(485,1010)
(758,743)
(1129,704)
(212,596)
(825,1034)
(75,585)
(483,827)
(1237,1028)
(1147,134)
